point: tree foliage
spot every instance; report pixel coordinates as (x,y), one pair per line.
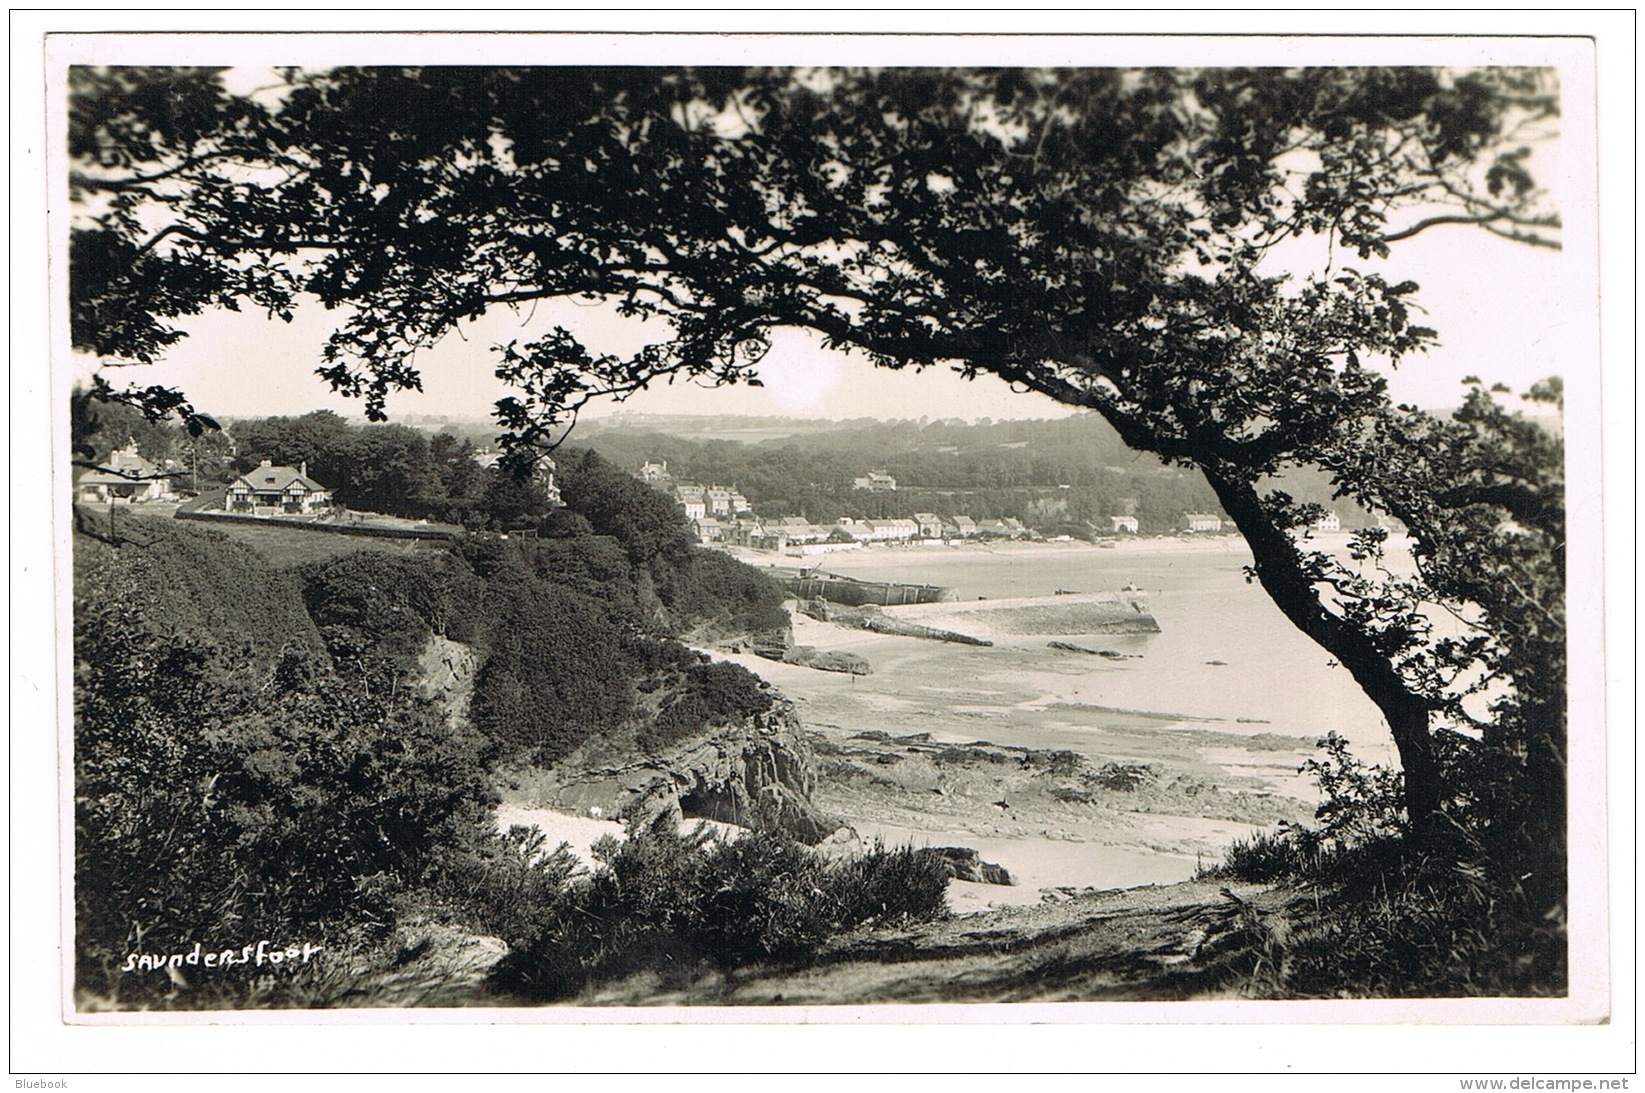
(229,785)
(1095,235)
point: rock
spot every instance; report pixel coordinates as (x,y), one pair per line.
(1070,647)
(772,644)
(446,671)
(807,656)
(843,843)
(757,774)
(963,863)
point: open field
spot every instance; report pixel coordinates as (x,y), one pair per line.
(284,546)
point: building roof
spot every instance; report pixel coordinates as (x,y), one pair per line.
(271,479)
(121,468)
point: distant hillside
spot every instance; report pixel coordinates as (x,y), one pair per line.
(1046,473)
(1051,474)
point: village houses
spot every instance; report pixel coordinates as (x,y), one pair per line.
(722,515)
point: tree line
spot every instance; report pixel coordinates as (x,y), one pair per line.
(1072,472)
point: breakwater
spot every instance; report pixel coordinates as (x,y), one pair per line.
(813,584)
(867,618)
(1078,613)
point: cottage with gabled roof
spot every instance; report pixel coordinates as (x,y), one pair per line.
(268,490)
(125,476)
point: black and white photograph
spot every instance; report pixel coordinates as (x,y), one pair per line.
(563,529)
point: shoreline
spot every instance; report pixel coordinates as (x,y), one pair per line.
(923,554)
(955,745)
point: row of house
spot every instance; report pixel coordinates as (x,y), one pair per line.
(699,502)
(721,514)
(784,532)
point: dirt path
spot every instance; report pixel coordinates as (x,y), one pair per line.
(1139,944)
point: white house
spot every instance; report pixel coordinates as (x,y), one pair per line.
(1202,521)
(693,499)
(875,482)
(1124,523)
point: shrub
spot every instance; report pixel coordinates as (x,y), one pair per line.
(681,904)
(209,811)
(556,670)
(715,588)
(710,694)
(1384,916)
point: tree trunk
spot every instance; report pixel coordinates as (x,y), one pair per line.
(1279,568)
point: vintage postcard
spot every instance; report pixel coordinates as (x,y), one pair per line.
(616,527)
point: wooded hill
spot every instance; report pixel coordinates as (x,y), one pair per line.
(1050,474)
(252,746)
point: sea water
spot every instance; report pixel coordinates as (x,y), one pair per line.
(1224,652)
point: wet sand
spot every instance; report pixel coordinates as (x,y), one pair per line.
(1210,779)
(1218,778)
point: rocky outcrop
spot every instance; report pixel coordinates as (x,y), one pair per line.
(963,863)
(1070,647)
(807,656)
(446,671)
(758,774)
(779,645)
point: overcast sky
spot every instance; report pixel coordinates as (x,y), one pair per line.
(1505,311)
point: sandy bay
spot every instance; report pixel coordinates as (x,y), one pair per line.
(1223,706)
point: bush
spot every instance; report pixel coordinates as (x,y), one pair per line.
(556,670)
(716,589)
(1290,853)
(1384,916)
(711,694)
(389,604)
(683,904)
(207,811)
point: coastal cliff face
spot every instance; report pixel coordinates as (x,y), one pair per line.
(759,773)
(446,671)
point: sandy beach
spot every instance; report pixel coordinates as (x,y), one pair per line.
(957,745)
(1216,777)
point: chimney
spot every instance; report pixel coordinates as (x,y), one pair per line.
(267,463)
(303,469)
